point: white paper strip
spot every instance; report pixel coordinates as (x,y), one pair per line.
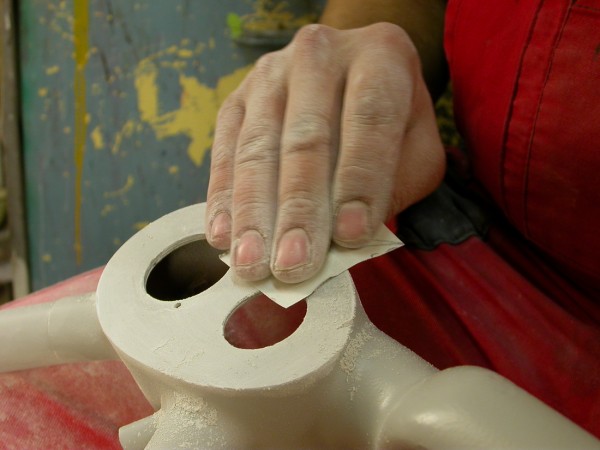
(338,260)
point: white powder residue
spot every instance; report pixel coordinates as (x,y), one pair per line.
(185,423)
(352,353)
(354,347)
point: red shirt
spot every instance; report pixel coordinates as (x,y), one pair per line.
(526,79)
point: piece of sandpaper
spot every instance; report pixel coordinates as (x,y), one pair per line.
(338,260)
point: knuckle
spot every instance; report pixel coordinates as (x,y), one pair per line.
(251,211)
(302,207)
(266,64)
(232,109)
(364,182)
(220,160)
(371,111)
(219,198)
(255,144)
(220,181)
(312,37)
(393,36)
(389,41)
(309,135)
(266,71)
(370,114)
(376,100)
(247,207)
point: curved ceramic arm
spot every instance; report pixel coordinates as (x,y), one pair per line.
(473,408)
(136,435)
(390,395)
(46,334)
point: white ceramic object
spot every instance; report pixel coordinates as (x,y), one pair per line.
(336,382)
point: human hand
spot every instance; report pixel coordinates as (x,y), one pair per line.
(324,139)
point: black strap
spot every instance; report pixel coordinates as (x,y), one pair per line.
(448,215)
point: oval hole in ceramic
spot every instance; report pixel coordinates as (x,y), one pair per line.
(259,322)
(186,271)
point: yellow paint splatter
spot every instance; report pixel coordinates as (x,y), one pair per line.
(145,84)
(67,130)
(107,210)
(97,138)
(42,92)
(173,170)
(81,44)
(126,131)
(53,70)
(185,53)
(47,257)
(60,20)
(197,113)
(177,65)
(116,242)
(140,225)
(119,192)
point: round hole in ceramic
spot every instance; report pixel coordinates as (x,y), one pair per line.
(259,322)
(186,271)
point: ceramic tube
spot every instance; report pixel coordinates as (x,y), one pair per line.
(64,331)
(473,408)
(136,435)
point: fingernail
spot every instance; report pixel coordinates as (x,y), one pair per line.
(352,222)
(293,250)
(249,249)
(221,227)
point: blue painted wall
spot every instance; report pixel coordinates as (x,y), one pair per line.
(119,102)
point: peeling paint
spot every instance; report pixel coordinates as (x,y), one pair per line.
(198,108)
(185,53)
(52,70)
(119,192)
(97,138)
(106,210)
(140,225)
(126,131)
